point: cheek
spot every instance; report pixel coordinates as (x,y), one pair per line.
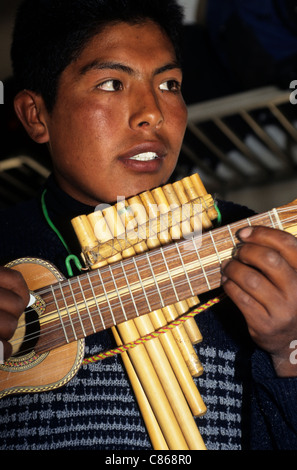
(178,122)
(82,133)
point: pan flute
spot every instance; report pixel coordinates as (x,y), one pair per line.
(161,370)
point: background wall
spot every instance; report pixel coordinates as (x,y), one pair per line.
(191,7)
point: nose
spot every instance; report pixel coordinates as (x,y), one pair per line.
(145,113)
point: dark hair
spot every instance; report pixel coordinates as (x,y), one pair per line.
(50,34)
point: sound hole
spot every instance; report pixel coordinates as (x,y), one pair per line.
(25,339)
(28,330)
(31,333)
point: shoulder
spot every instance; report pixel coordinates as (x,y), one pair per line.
(24,233)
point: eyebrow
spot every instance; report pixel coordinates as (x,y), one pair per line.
(98,65)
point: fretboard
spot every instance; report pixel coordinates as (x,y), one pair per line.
(100,299)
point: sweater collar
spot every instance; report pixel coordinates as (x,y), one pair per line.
(60,204)
(61,209)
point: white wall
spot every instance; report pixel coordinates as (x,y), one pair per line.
(190,9)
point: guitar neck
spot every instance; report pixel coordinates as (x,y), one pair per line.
(100,299)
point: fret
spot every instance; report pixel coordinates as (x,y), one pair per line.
(201,264)
(271,220)
(140,280)
(129,288)
(185,271)
(249,222)
(231,235)
(87,307)
(59,313)
(275,213)
(77,309)
(213,242)
(169,275)
(118,294)
(106,296)
(154,277)
(68,312)
(96,302)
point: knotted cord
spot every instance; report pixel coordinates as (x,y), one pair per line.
(154,334)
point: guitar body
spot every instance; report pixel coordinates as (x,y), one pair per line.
(34,372)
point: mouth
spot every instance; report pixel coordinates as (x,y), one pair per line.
(145,152)
(145,157)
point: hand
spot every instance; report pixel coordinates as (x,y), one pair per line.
(14,298)
(261,280)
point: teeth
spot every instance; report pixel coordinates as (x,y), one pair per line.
(144,157)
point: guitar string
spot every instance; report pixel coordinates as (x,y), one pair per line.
(64,283)
(69,296)
(76,321)
(195,278)
(106,309)
(126,262)
(141,257)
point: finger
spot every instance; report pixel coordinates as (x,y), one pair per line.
(270,263)
(13,280)
(11,302)
(255,314)
(251,285)
(282,242)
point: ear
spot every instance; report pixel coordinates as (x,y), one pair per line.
(31,111)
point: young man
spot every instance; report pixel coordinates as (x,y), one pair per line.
(100,85)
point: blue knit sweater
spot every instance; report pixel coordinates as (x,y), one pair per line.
(248,406)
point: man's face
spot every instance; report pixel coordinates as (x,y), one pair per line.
(118,123)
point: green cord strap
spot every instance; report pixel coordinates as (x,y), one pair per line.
(76,262)
(219,219)
(70,256)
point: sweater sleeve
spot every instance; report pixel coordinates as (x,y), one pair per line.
(274,407)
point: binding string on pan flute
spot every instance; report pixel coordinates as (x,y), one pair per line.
(161,370)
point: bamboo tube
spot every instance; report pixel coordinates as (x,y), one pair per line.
(156,436)
(180,364)
(156,353)
(127,332)
(189,189)
(162,353)
(87,239)
(170,385)
(184,343)
(176,233)
(147,200)
(201,191)
(141,217)
(117,223)
(153,388)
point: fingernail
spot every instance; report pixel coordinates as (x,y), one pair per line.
(223,279)
(32,300)
(245,232)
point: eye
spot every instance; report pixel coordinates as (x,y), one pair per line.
(111,85)
(170,85)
